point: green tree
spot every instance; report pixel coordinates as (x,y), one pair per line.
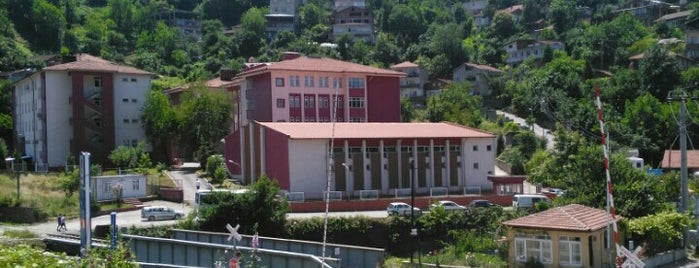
(659,72)
(159,121)
(454,104)
(503,26)
(126,156)
(258,207)
(253,20)
(203,119)
(311,14)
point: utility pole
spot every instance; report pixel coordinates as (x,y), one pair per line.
(682,97)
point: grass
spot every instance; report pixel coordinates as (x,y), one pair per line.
(23,234)
(44,191)
(113,205)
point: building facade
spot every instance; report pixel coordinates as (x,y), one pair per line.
(476,74)
(89,104)
(369,157)
(351,17)
(282,16)
(518,51)
(311,89)
(413,85)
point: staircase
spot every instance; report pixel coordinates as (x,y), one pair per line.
(133,201)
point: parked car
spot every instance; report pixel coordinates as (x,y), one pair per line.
(528,200)
(160,213)
(481,203)
(448,205)
(400,208)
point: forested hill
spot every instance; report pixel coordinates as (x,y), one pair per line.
(599,37)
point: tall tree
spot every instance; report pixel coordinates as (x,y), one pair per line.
(253,20)
(160,123)
(204,119)
(455,104)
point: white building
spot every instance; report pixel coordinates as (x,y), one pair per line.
(478,75)
(89,104)
(370,157)
(519,50)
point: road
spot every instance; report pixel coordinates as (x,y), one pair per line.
(538,130)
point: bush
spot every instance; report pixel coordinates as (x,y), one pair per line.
(213,162)
(659,232)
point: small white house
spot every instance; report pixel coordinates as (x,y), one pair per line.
(108,187)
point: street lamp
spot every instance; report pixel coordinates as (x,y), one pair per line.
(11,165)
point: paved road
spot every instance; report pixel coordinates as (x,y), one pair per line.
(186,178)
(538,130)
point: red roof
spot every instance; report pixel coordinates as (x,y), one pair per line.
(671,159)
(483,67)
(343,130)
(318,64)
(405,64)
(87,62)
(572,217)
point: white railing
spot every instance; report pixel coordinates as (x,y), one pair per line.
(296,197)
(403,192)
(472,190)
(332,195)
(369,194)
(439,191)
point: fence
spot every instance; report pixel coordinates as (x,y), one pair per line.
(369,194)
(332,196)
(472,190)
(296,197)
(439,191)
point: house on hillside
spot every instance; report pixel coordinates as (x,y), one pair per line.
(84,104)
(187,23)
(519,50)
(477,10)
(676,19)
(691,38)
(370,159)
(413,85)
(647,11)
(515,11)
(569,236)
(352,17)
(310,89)
(683,62)
(282,16)
(478,75)
(672,160)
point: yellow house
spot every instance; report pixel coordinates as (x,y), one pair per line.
(569,236)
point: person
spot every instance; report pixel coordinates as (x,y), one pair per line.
(58,219)
(197,183)
(63,223)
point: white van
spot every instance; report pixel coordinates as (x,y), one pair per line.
(528,200)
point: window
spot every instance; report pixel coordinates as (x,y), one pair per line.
(537,247)
(281,103)
(337,82)
(125,100)
(133,79)
(135,185)
(98,81)
(134,143)
(126,143)
(294,81)
(323,102)
(356,119)
(294,101)
(488,148)
(309,101)
(124,79)
(134,100)
(356,82)
(569,250)
(126,120)
(280,82)
(475,165)
(323,82)
(475,148)
(134,120)
(309,81)
(356,102)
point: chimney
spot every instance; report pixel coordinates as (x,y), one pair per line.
(289,55)
(226,74)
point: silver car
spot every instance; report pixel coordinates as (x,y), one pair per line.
(400,208)
(160,213)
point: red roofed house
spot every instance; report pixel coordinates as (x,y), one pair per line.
(412,86)
(310,89)
(569,236)
(672,160)
(478,75)
(370,158)
(88,104)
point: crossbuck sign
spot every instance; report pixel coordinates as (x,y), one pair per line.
(632,259)
(234,232)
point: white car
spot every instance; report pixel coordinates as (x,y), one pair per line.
(448,206)
(400,208)
(160,213)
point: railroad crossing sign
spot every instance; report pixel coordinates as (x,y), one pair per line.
(234,232)
(632,259)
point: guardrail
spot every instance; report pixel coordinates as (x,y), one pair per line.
(368,194)
(439,191)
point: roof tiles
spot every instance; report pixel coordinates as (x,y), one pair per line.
(318,64)
(308,130)
(572,217)
(87,62)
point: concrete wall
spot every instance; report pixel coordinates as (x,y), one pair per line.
(308,167)
(132,185)
(58,117)
(130,93)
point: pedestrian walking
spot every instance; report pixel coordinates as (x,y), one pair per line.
(58,222)
(197,183)
(62,225)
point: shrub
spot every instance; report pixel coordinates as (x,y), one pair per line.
(212,163)
(659,232)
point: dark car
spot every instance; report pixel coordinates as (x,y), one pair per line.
(480,203)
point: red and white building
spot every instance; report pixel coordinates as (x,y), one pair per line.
(88,104)
(380,157)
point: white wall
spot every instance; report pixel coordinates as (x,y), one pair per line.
(308,167)
(27,108)
(58,114)
(484,158)
(132,185)
(130,93)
